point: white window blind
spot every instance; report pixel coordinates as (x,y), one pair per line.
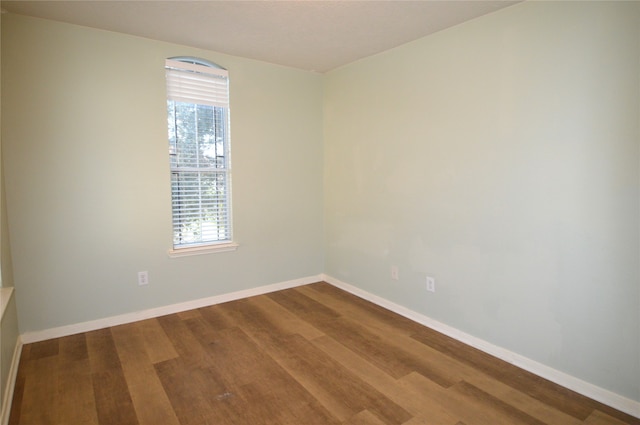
(198,130)
(192,83)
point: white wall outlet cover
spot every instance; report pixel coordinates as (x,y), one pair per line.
(395,273)
(431,284)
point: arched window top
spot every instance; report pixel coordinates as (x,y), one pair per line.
(196,61)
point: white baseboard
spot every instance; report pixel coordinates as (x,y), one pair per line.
(11,384)
(30,337)
(594,392)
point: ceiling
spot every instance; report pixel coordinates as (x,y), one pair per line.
(311,35)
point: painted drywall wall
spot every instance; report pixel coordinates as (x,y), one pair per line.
(87,177)
(500,157)
(6,265)
(6,262)
(8,313)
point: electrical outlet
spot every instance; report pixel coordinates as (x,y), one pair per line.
(143,278)
(395,275)
(431,284)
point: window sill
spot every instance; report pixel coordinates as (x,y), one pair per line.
(200,250)
(5,296)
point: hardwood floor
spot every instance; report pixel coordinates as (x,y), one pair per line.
(304,356)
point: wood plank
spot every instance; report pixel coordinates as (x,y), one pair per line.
(534,386)
(536,408)
(282,400)
(157,345)
(469,404)
(349,303)
(267,334)
(422,420)
(422,407)
(359,310)
(233,351)
(329,380)
(72,349)
(386,326)
(215,318)
(185,344)
(284,319)
(189,314)
(75,396)
(102,351)
(196,388)
(340,391)
(39,350)
(187,387)
(39,405)
(364,418)
(312,311)
(113,401)
(370,345)
(151,403)
(487,402)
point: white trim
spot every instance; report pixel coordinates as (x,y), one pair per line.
(11,384)
(36,336)
(203,249)
(592,391)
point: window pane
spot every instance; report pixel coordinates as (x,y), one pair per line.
(196,135)
(200,210)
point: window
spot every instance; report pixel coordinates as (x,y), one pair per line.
(198,128)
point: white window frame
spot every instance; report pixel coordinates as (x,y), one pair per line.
(199,83)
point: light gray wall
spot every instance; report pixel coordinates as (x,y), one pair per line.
(88,183)
(500,157)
